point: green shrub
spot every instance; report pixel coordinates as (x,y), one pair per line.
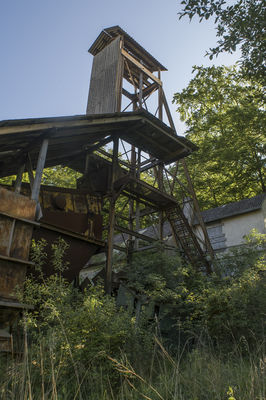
(227,306)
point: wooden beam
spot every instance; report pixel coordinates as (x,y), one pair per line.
(134,234)
(127,94)
(153,142)
(140,88)
(39,170)
(160,102)
(168,113)
(150,165)
(120,248)
(30,171)
(18,182)
(110,242)
(145,92)
(86,122)
(141,67)
(198,214)
(166,133)
(91,149)
(140,200)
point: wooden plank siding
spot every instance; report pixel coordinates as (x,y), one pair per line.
(106,80)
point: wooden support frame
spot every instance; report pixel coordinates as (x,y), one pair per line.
(39,170)
(141,67)
(18,182)
(145,82)
(110,243)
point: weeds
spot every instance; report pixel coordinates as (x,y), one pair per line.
(81,346)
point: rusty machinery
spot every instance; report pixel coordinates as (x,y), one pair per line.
(131,180)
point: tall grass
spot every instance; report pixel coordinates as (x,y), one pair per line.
(203,373)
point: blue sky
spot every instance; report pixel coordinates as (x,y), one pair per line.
(45,66)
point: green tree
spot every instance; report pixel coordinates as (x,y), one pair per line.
(238,23)
(225,117)
(55,176)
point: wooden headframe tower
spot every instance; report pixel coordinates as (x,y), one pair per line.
(135,181)
(125,77)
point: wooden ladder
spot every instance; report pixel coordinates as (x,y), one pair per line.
(186,239)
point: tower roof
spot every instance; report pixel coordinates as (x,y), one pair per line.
(109,34)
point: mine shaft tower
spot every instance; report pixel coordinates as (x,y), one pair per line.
(125,77)
(129,158)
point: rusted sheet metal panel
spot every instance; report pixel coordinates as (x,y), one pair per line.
(106,80)
(12,275)
(66,220)
(73,210)
(77,255)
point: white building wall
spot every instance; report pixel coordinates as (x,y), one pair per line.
(235,228)
(264,214)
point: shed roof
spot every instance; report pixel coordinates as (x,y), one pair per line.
(69,137)
(109,34)
(232,209)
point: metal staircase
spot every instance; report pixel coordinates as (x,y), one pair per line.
(186,239)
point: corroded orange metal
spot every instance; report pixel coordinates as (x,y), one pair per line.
(17,215)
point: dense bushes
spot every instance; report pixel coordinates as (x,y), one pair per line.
(227,306)
(80,345)
(73,333)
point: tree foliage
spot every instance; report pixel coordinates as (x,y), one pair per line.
(238,23)
(225,117)
(55,176)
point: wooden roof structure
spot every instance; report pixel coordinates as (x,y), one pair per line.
(109,34)
(145,193)
(70,137)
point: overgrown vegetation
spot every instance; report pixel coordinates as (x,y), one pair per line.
(207,337)
(225,118)
(189,336)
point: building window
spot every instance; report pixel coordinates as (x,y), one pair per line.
(217,237)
